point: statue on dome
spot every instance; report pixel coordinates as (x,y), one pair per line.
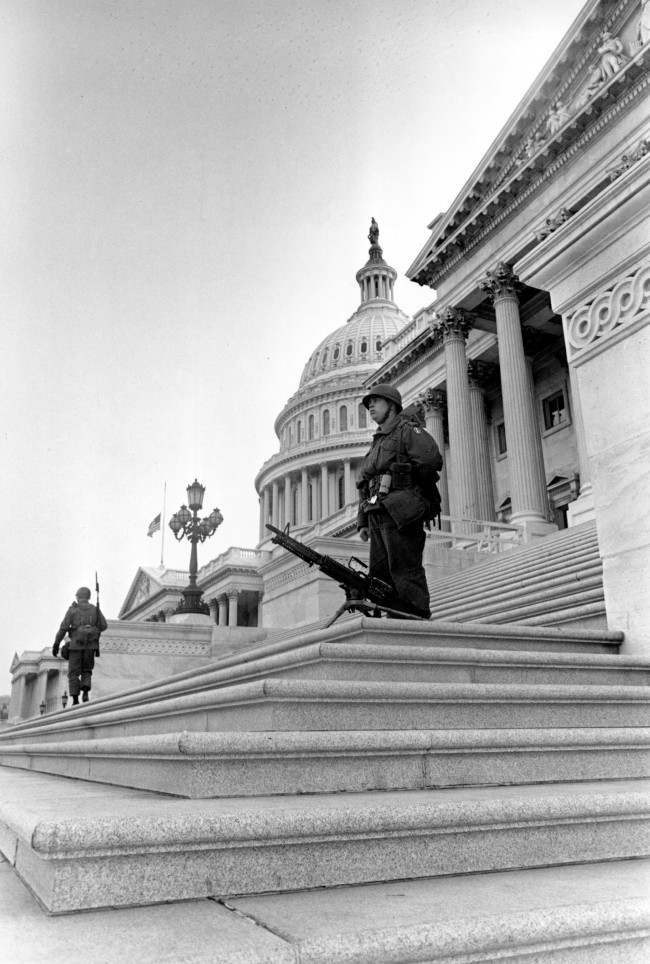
(373,234)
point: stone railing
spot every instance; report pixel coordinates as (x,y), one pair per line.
(476,534)
(234,556)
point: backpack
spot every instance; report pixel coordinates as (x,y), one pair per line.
(427,478)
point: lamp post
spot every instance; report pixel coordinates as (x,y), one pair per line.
(186,524)
(64,699)
(42,707)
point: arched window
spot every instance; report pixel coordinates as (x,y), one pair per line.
(324,359)
(364,346)
(310,427)
(299,432)
(294,505)
(363,416)
(378,345)
(343,418)
(326,422)
(349,349)
(340,491)
(290,435)
(337,352)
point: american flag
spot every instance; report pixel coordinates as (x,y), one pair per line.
(154,525)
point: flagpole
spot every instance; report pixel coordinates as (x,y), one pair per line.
(162,528)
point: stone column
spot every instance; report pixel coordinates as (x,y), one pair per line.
(213,606)
(39,690)
(347,482)
(529,499)
(582,510)
(484,481)
(275,510)
(233,596)
(222,603)
(324,491)
(287,501)
(463,500)
(17,697)
(304,494)
(434,401)
(266,501)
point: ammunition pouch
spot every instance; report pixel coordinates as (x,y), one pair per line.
(405,507)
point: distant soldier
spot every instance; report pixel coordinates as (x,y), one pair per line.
(398,495)
(84,623)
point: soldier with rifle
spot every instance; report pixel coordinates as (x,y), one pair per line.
(84,624)
(398,495)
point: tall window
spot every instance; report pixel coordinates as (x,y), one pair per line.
(343,419)
(326,422)
(310,501)
(554,410)
(363,416)
(299,431)
(502,447)
(294,506)
(341,491)
(310,428)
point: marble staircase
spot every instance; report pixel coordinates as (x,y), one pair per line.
(556,581)
(369,753)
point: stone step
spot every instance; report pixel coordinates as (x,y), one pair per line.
(586,914)
(79,845)
(276,658)
(593,913)
(198,765)
(503,572)
(539,604)
(517,592)
(551,551)
(304,704)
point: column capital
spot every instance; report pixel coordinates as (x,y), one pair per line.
(481,374)
(454,323)
(433,399)
(501,282)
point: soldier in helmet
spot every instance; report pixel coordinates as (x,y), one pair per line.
(84,623)
(397,496)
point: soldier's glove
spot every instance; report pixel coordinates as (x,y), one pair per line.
(55,649)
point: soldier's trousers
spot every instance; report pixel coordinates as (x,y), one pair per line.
(396,557)
(80,670)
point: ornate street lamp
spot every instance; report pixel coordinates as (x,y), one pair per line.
(64,699)
(186,524)
(42,707)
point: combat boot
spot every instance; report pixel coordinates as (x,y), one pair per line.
(84,695)
(75,701)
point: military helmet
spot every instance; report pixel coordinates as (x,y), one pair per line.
(389,392)
(83,593)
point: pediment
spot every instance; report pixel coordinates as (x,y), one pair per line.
(602,53)
(146,583)
(14,663)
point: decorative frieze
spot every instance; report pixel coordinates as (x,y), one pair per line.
(553,223)
(628,160)
(141,646)
(433,400)
(624,304)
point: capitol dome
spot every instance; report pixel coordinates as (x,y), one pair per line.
(324,430)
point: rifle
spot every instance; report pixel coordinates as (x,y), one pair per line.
(98,611)
(363,593)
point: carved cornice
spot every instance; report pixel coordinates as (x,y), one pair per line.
(551,224)
(454,323)
(423,347)
(500,283)
(525,181)
(628,160)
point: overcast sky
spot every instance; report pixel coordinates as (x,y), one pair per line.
(186,192)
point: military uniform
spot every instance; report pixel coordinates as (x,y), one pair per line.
(82,649)
(395,517)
